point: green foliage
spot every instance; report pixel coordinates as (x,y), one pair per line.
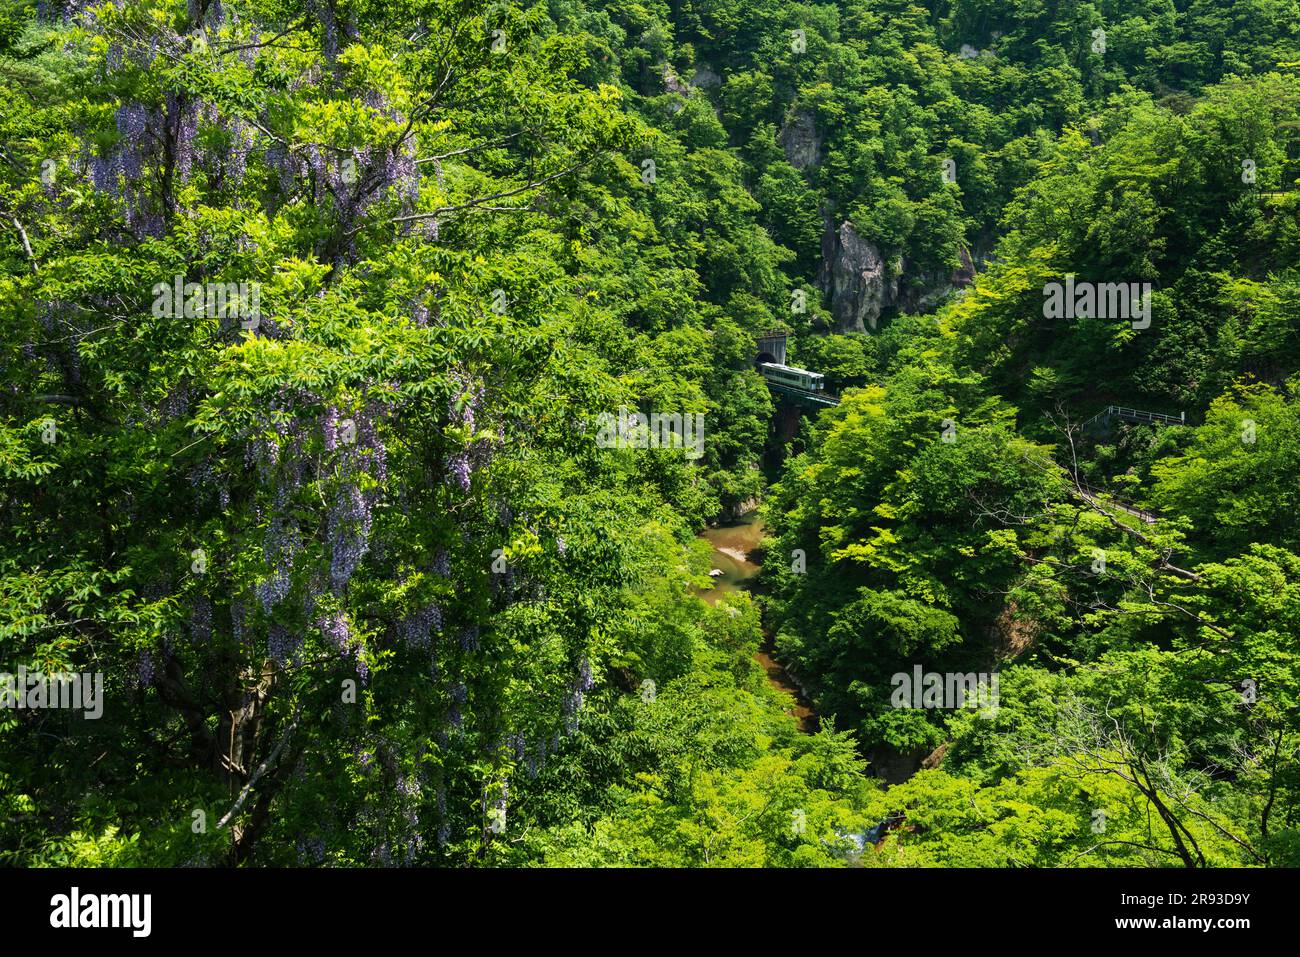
(360,582)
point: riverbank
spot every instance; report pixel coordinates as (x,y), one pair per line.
(733,545)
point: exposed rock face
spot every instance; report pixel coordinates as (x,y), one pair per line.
(936,757)
(673,83)
(705,77)
(862,285)
(731,513)
(936,285)
(855,275)
(801,141)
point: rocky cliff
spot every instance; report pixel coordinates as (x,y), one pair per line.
(800,140)
(862,285)
(855,276)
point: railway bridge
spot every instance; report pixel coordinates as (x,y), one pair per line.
(797,391)
(800,388)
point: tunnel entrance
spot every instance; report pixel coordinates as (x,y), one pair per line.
(771,347)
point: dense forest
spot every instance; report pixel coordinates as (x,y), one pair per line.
(313,315)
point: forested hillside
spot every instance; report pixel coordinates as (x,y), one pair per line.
(315,318)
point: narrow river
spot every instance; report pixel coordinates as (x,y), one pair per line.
(732,545)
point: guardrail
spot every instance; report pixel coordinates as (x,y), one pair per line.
(1137,415)
(1102,498)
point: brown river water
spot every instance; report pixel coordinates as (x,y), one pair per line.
(732,545)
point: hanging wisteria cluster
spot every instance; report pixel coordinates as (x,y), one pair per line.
(146,669)
(461,410)
(336,630)
(282,644)
(349,179)
(494,801)
(210,13)
(348,525)
(573,703)
(281,543)
(201,620)
(227,166)
(444,829)
(459,694)
(62,10)
(469,639)
(355,446)
(417,629)
(183,120)
(209,486)
(146,135)
(311,850)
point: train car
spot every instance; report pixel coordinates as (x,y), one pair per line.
(796,378)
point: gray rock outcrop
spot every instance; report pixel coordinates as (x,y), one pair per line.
(936,285)
(673,83)
(861,284)
(855,276)
(704,77)
(800,140)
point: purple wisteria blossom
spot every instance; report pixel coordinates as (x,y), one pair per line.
(582,683)
(418,628)
(238,621)
(537,760)
(133,123)
(146,669)
(444,829)
(462,407)
(201,620)
(337,632)
(469,639)
(373,446)
(459,694)
(349,532)
(311,851)
(283,645)
(280,545)
(330,429)
(334,627)
(458,467)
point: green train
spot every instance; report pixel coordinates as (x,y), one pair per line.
(790,376)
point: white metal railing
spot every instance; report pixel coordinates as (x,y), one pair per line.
(1138,415)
